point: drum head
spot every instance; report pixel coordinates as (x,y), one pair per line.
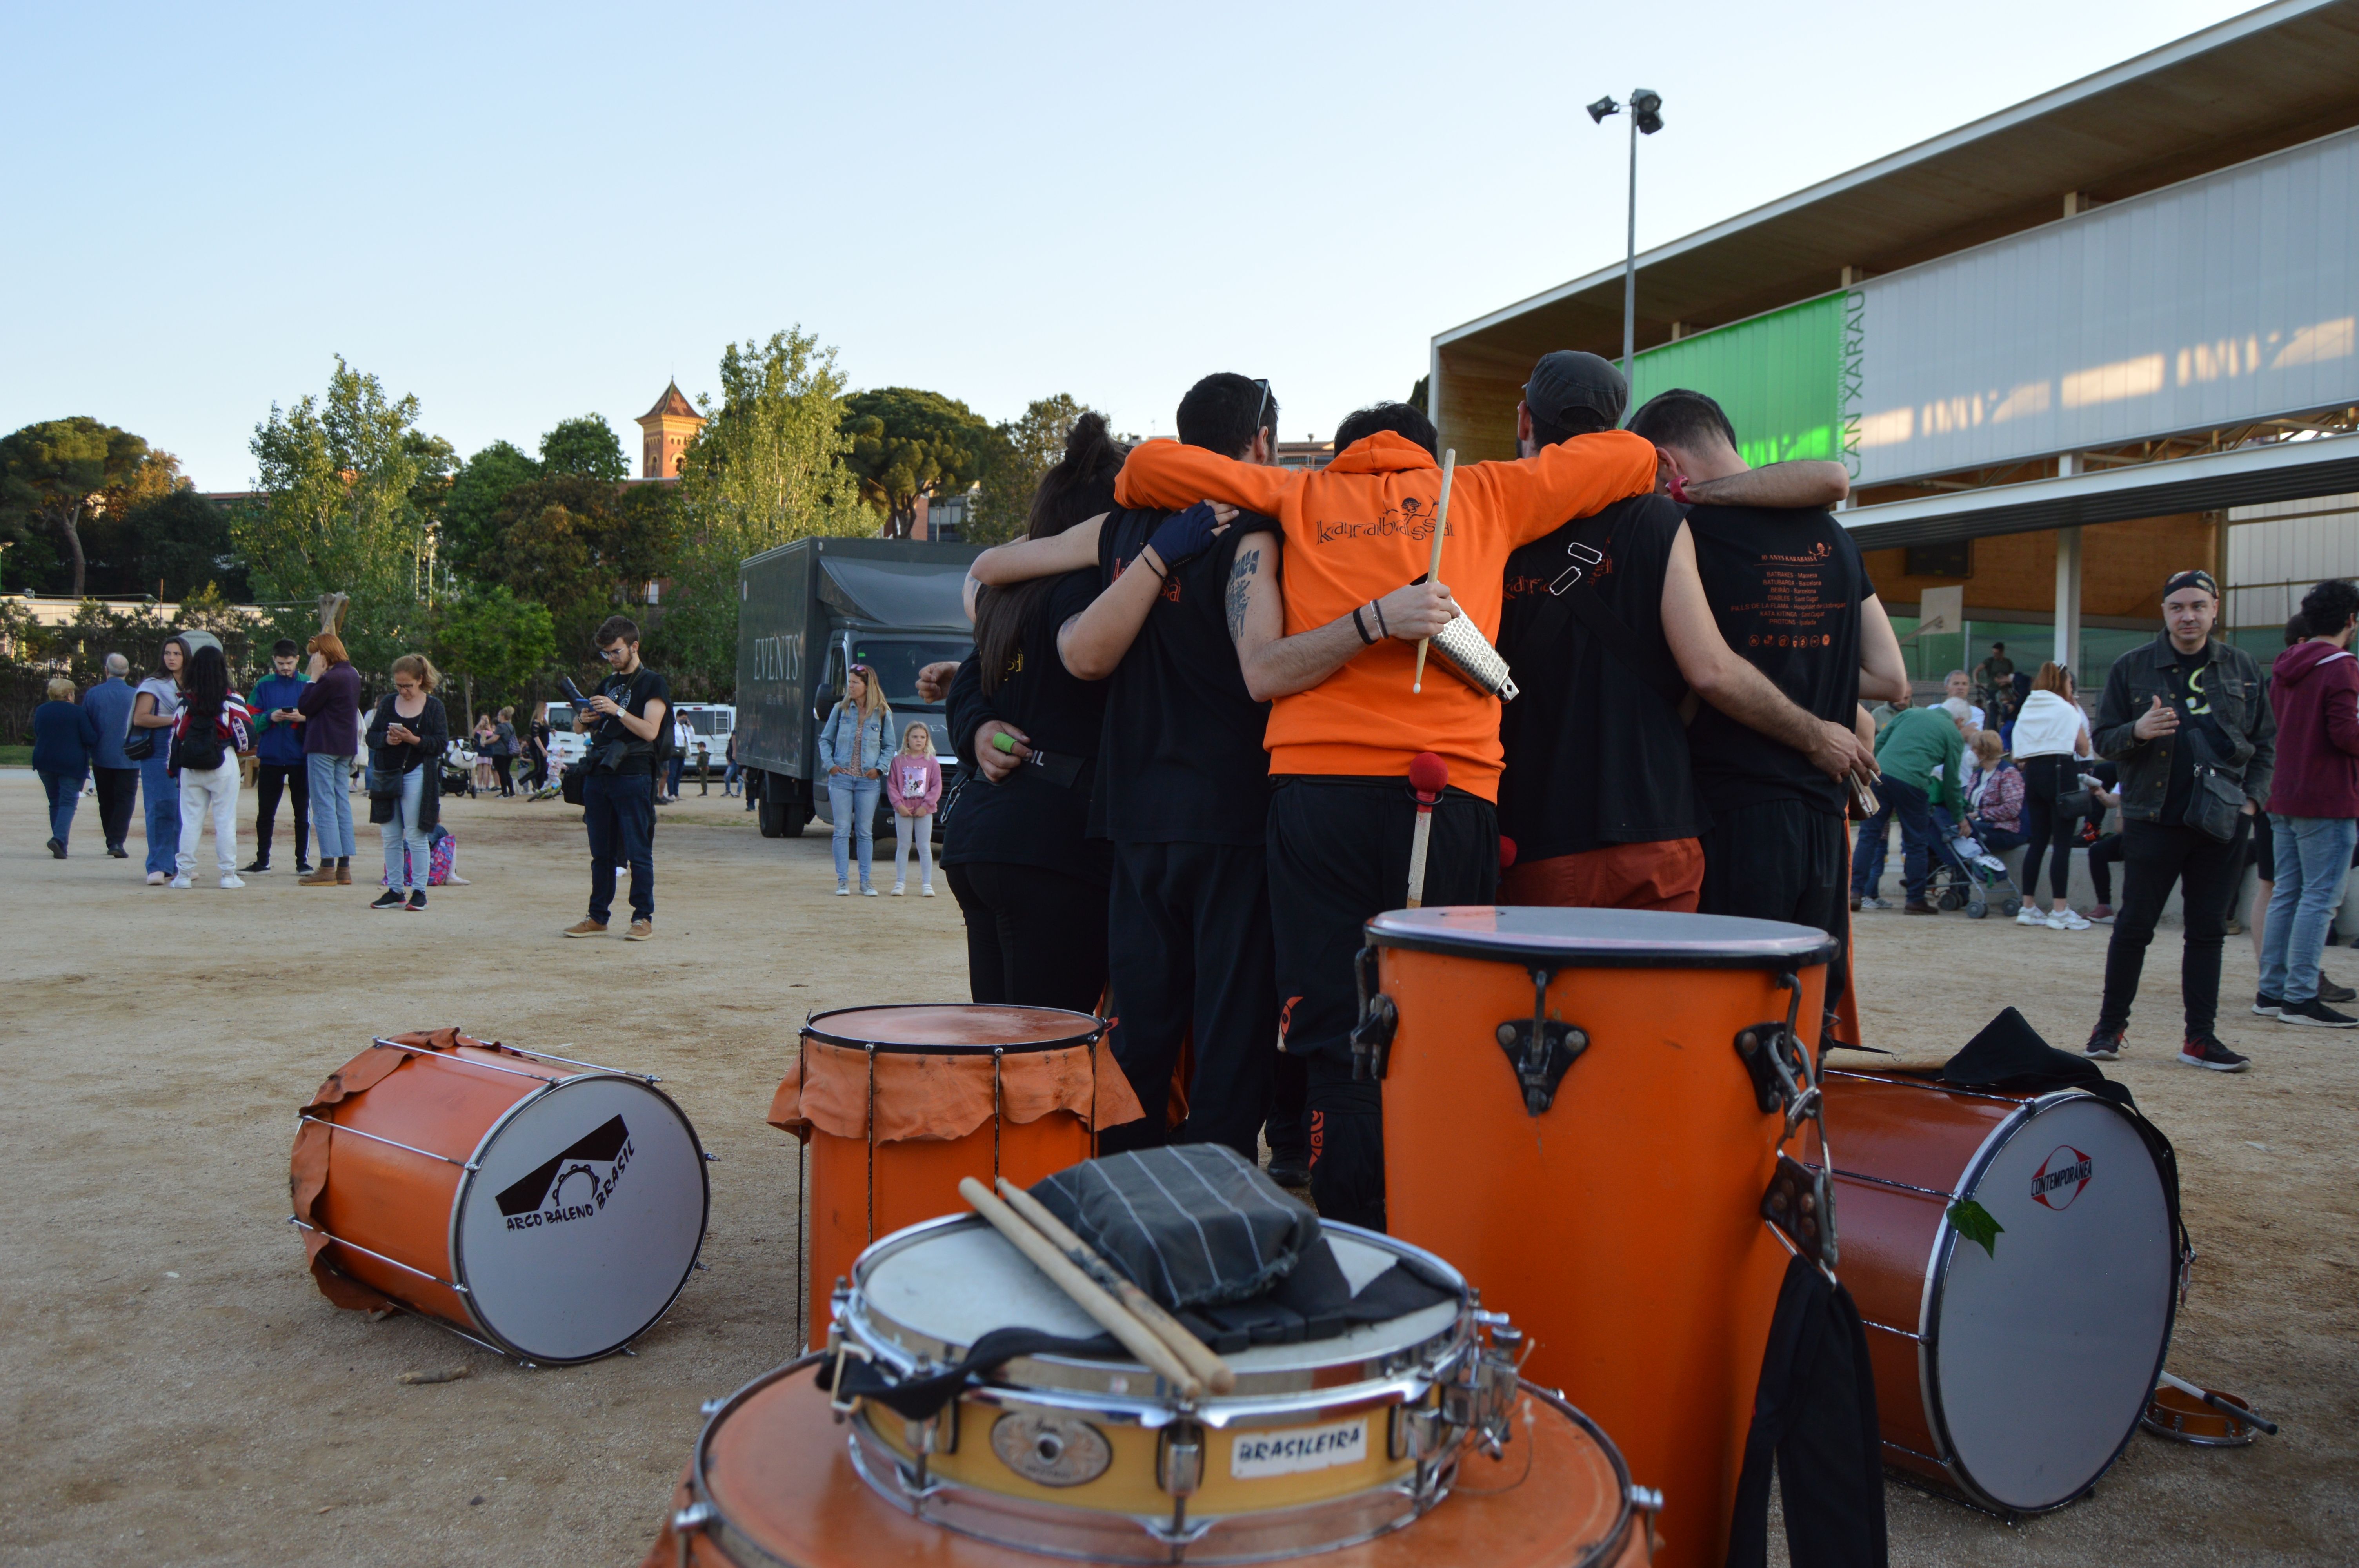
(2044,1356)
(1601,939)
(953,1026)
(584,1219)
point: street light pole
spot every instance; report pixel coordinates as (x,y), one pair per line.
(1646,118)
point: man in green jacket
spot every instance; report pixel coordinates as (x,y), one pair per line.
(1919,753)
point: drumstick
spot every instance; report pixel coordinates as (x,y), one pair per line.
(2228,1408)
(1086,1292)
(1429,776)
(1215,1372)
(1433,569)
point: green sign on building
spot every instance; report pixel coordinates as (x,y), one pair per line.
(1777,375)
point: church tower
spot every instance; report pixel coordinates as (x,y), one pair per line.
(668,428)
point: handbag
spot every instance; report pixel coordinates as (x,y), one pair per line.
(140,746)
(2217,801)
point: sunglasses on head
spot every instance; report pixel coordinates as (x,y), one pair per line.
(1259,407)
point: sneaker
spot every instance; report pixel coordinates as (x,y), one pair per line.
(640,931)
(926,892)
(2027,915)
(155,878)
(417,898)
(2067,919)
(57,851)
(325,877)
(2102,915)
(2316,1015)
(2328,991)
(259,869)
(2266,1005)
(302,868)
(231,879)
(898,888)
(1876,903)
(117,852)
(585,928)
(181,882)
(390,899)
(843,890)
(1289,1172)
(868,892)
(2205,1051)
(1918,906)
(2104,1044)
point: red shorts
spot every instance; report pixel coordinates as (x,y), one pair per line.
(1666,874)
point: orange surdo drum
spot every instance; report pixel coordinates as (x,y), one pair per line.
(1581,1109)
(2014,1374)
(543,1207)
(896,1104)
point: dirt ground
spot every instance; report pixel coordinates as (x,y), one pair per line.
(179,1392)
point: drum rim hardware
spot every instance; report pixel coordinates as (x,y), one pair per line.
(1800,1203)
(1543,1050)
(1427,930)
(1091,1036)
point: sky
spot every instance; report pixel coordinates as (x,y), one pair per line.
(521,212)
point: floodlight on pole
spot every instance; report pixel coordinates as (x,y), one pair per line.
(1645,118)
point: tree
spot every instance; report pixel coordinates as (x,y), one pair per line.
(471,511)
(763,471)
(489,635)
(55,473)
(169,545)
(584,446)
(1022,451)
(906,443)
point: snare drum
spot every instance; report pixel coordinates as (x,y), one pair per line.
(546,1208)
(2017,1375)
(896,1104)
(1615,1212)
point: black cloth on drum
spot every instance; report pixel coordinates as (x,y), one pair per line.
(1193,1225)
(1814,1410)
(2010,1055)
(1190,951)
(1034,937)
(1782,860)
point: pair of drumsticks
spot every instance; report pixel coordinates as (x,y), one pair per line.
(1159,1340)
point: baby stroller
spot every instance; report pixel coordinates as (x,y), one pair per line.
(458,776)
(1966,876)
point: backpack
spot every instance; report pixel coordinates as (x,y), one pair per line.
(198,748)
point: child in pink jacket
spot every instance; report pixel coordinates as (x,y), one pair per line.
(913,782)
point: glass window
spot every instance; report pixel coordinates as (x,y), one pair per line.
(896,663)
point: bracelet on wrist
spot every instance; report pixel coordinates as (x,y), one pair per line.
(1361,626)
(1378,606)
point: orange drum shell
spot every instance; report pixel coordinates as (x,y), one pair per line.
(784,1475)
(1621,1229)
(400,1203)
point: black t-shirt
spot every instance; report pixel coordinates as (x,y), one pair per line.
(1033,818)
(1182,760)
(1595,755)
(632,693)
(1786,588)
(2187,676)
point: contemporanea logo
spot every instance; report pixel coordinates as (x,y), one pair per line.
(574,1185)
(2061,1178)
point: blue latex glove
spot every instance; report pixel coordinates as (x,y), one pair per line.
(1182,536)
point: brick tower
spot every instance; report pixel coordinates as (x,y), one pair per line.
(668,427)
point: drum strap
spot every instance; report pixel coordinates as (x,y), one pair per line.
(1814,1414)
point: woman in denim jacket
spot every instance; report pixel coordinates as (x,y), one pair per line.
(851,750)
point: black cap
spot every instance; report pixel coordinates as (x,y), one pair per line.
(2195,579)
(1568,382)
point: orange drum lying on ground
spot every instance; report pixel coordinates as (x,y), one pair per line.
(2014,1376)
(773,1483)
(547,1209)
(1619,1226)
(896,1104)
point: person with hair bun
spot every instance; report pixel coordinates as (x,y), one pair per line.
(210,734)
(406,739)
(2051,734)
(331,707)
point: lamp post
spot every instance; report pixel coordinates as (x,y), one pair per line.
(1646,116)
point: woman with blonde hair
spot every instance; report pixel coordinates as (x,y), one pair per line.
(406,739)
(504,751)
(65,739)
(852,746)
(2051,734)
(331,707)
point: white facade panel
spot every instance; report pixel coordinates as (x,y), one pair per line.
(2275,552)
(2226,299)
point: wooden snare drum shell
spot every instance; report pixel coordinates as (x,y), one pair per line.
(1620,1228)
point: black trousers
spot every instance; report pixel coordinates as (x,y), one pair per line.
(269,780)
(1338,855)
(2043,827)
(1288,1129)
(1188,949)
(118,792)
(503,768)
(2102,856)
(1034,937)
(1781,860)
(2155,858)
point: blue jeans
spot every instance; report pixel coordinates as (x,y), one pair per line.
(852,800)
(65,794)
(1917,832)
(2313,857)
(407,852)
(161,794)
(331,805)
(619,809)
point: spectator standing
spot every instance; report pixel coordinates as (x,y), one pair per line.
(2051,735)
(154,707)
(1956,688)
(914,786)
(1918,753)
(278,747)
(406,737)
(65,739)
(2186,718)
(118,776)
(479,741)
(212,730)
(683,737)
(504,751)
(625,723)
(1993,683)
(2313,805)
(728,774)
(539,737)
(851,751)
(330,708)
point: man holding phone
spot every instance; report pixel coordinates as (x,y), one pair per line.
(623,721)
(278,751)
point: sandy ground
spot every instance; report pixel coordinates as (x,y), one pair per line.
(177,1391)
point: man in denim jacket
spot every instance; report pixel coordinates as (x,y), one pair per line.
(2187,721)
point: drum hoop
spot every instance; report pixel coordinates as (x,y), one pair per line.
(700,1491)
(1936,1271)
(474,1168)
(1096,1032)
(1473,945)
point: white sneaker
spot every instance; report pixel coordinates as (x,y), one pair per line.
(928,890)
(2067,919)
(181,882)
(898,889)
(868,892)
(233,881)
(841,891)
(155,878)
(1876,903)
(2030,916)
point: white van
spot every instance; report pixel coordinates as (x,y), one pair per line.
(564,745)
(710,723)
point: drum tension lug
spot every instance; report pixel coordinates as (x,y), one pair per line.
(1540,1049)
(1758,1046)
(1372,1036)
(1800,1203)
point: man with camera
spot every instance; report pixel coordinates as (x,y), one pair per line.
(624,722)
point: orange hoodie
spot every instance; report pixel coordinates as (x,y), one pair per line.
(1363,526)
